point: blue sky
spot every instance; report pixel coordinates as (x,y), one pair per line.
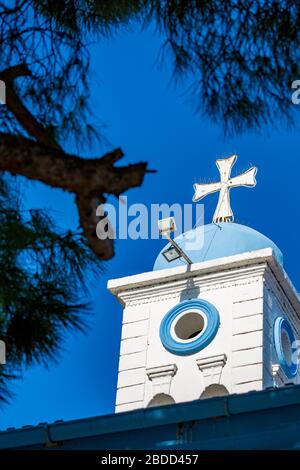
(152,121)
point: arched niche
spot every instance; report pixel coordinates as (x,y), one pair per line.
(214,390)
(161,399)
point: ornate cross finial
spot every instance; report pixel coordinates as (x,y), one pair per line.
(223,212)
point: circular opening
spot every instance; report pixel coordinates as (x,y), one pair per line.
(286,346)
(189,326)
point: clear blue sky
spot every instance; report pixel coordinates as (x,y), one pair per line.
(152,121)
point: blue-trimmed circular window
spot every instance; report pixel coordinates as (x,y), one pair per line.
(285,346)
(189,327)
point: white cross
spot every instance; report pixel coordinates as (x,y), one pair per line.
(223,212)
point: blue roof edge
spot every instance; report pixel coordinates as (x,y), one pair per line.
(150,417)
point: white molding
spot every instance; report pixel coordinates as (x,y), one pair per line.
(221,280)
(150,286)
(211,266)
(211,368)
(146,295)
(215,274)
(279,377)
(275,288)
(212,361)
(281,286)
(161,378)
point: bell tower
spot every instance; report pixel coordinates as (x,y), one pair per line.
(227,323)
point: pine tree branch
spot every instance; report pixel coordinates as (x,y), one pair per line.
(89,179)
(43,160)
(31,125)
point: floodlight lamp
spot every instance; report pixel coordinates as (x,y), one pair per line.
(171,254)
(166,226)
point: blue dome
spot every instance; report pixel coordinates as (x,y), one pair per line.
(217,241)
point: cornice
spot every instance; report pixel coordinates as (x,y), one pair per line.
(285,294)
(186,281)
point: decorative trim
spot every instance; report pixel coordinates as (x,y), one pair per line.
(171,290)
(214,274)
(278,376)
(161,378)
(273,288)
(212,361)
(284,292)
(280,325)
(211,368)
(207,269)
(190,347)
(161,371)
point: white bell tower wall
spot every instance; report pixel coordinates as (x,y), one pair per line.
(204,330)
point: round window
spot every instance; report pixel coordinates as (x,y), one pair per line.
(285,346)
(189,327)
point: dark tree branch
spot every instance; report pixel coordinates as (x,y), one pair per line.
(29,123)
(88,179)
(43,160)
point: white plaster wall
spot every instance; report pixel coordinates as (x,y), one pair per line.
(276,303)
(187,384)
(246,305)
(239,303)
(133,353)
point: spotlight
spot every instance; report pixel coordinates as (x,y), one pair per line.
(165,227)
